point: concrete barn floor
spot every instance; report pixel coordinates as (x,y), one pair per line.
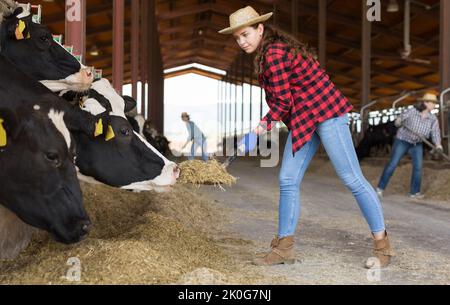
(333,238)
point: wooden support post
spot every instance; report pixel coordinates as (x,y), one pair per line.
(230,101)
(323,32)
(224,107)
(366,62)
(275,14)
(75,24)
(445,67)
(219,104)
(243,95)
(251,95)
(261,104)
(294,18)
(134,47)
(144,56)
(156,77)
(236,71)
(152,86)
(118,44)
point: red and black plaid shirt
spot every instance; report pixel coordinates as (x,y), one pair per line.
(299,93)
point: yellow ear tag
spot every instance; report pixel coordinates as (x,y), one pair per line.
(110,134)
(98,128)
(19,30)
(3,139)
(19,35)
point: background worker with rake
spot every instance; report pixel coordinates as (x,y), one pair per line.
(415,124)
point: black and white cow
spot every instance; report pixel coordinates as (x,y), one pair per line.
(145,128)
(123,160)
(133,163)
(30,46)
(38,177)
(37,173)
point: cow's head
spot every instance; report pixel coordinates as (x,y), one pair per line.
(30,46)
(149,129)
(38,178)
(121,158)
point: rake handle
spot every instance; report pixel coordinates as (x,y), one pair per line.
(447,158)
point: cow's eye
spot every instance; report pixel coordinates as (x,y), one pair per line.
(53,158)
(125,131)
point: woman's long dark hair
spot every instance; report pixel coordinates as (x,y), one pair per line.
(272,35)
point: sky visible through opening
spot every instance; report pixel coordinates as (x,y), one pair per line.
(200,97)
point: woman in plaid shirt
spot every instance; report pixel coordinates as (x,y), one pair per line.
(414,124)
(301,94)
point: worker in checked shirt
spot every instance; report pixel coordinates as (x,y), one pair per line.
(300,93)
(414,124)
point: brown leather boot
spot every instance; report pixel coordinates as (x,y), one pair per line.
(282,253)
(382,251)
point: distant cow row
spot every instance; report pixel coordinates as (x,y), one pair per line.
(379,138)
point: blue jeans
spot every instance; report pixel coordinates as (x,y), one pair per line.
(194,146)
(399,149)
(336,138)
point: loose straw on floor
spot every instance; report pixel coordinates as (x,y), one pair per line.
(208,173)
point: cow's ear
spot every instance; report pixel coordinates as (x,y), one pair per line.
(17,12)
(17,27)
(130,103)
(9,126)
(10,26)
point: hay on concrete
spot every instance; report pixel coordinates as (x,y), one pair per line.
(144,238)
(209,173)
(439,186)
(435,182)
(203,276)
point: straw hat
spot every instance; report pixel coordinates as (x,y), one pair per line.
(429,97)
(244,17)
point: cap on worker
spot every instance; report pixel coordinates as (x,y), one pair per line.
(429,97)
(244,17)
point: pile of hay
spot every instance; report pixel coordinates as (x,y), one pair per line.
(439,186)
(435,182)
(144,238)
(209,173)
